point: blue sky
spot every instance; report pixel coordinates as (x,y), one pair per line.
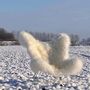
(70,16)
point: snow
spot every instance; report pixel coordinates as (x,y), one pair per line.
(15,72)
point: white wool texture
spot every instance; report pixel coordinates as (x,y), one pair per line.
(53,59)
(60,49)
(71,66)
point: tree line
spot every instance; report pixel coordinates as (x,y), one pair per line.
(6,36)
(43,36)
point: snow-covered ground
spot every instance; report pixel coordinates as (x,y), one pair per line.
(15,72)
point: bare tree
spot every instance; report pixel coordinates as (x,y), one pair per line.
(74,39)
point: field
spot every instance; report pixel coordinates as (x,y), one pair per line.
(15,72)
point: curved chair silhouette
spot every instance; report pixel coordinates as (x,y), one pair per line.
(52,58)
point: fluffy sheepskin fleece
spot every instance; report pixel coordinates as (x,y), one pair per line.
(51,58)
(60,49)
